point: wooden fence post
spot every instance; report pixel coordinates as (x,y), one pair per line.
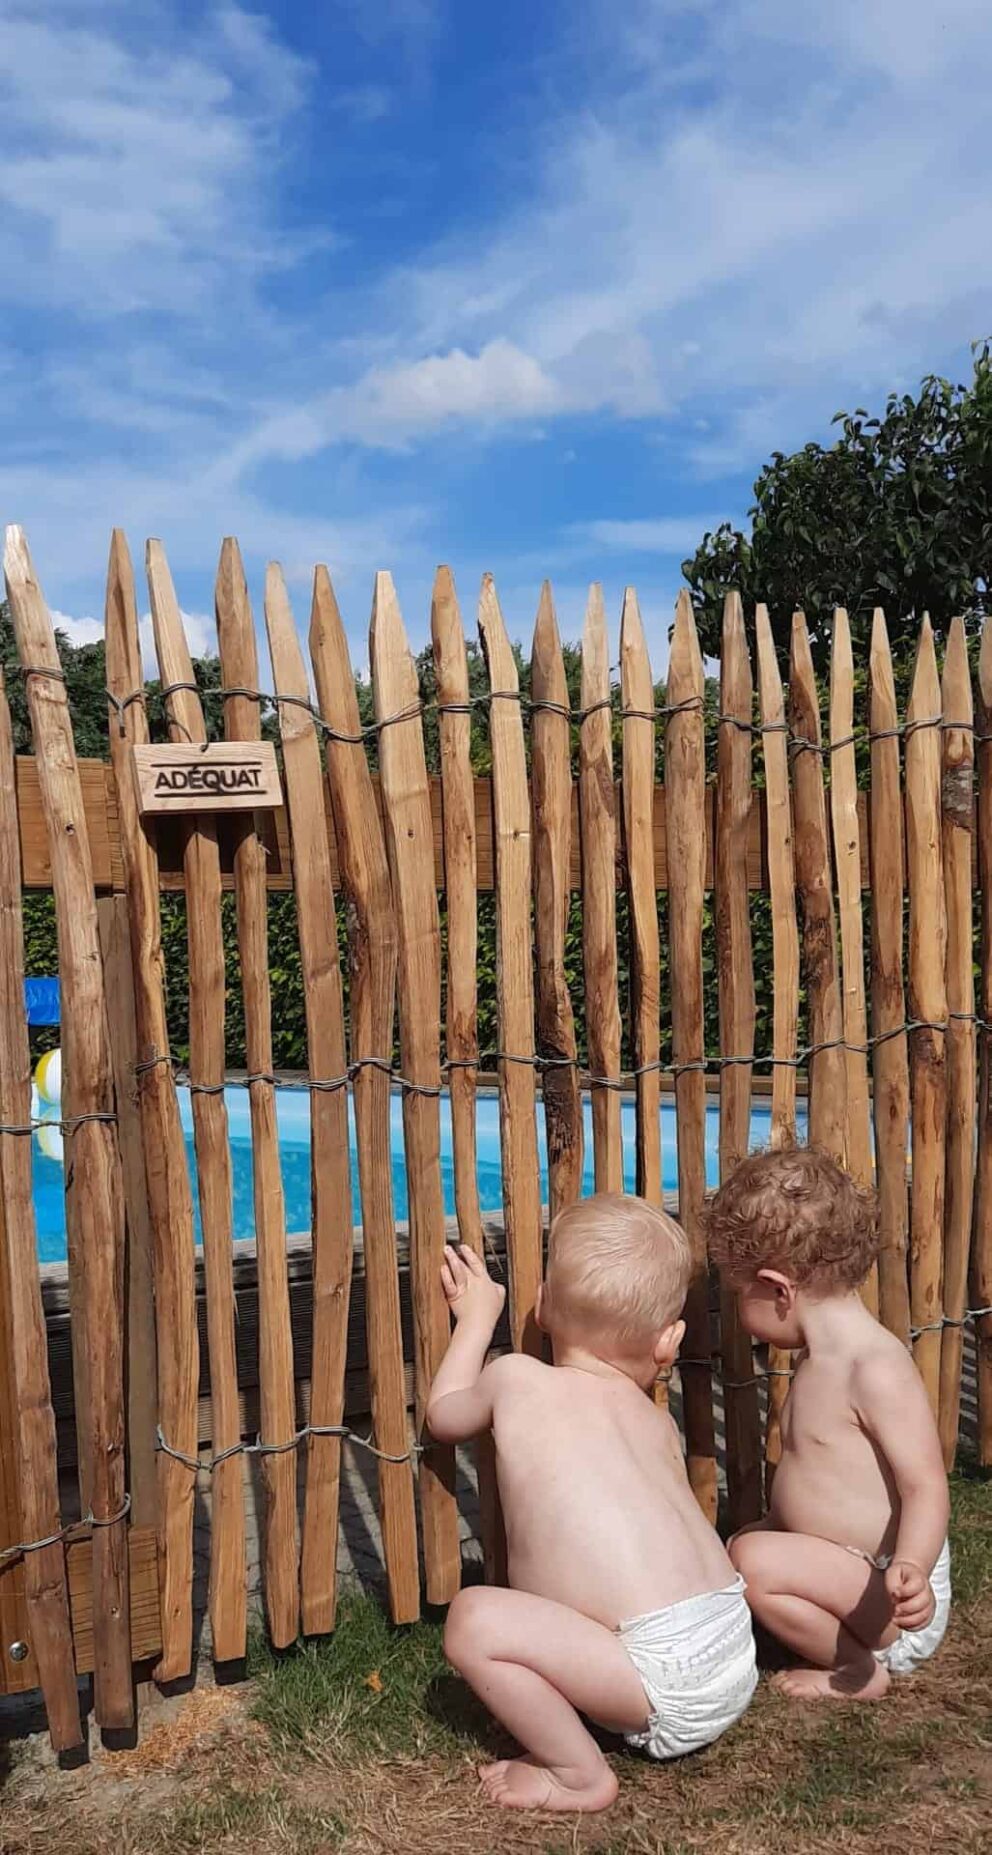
(685,774)
(201,870)
(514,974)
(332,1235)
(139,1296)
(957,807)
(827,1067)
(927,1005)
(551,781)
(34,1599)
(981,1259)
(785,964)
(242,722)
(890,1066)
(736,993)
(597,804)
(364,876)
(637,693)
(170,1204)
(462,1030)
(410,843)
(847,862)
(94,1196)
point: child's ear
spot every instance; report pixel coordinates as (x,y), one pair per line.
(784,1289)
(668,1342)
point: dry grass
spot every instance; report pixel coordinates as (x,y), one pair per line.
(366,1747)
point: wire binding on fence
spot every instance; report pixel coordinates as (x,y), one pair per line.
(480,1059)
(74,1530)
(530,705)
(67,1128)
(258,1448)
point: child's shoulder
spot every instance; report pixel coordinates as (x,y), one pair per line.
(511,1370)
(883,1366)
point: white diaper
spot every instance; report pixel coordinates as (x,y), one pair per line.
(911,1647)
(696,1660)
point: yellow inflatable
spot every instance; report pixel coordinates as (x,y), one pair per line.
(46,1095)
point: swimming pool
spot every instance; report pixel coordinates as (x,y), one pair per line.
(293,1115)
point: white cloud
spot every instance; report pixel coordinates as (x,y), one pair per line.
(125,148)
(81,630)
(389,406)
(201,634)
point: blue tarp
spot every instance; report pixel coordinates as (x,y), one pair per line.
(41,1000)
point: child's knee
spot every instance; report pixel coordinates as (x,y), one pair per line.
(747,1557)
(466,1629)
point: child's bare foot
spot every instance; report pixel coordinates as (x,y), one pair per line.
(520,1784)
(857,1682)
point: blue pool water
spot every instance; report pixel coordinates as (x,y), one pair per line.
(293,1113)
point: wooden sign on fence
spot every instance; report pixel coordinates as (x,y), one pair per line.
(226,776)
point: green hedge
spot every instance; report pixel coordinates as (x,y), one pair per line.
(288,1021)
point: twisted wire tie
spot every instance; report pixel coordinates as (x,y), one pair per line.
(67,1127)
(617,1083)
(74,1529)
(258,1448)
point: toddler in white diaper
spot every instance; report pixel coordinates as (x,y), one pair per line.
(623,1605)
(851,1568)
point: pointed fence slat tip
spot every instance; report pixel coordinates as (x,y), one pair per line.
(546,622)
(631,623)
(879,631)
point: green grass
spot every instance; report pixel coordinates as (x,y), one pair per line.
(971,1534)
(370,1685)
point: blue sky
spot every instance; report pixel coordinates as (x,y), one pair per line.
(533,289)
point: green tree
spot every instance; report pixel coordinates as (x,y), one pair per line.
(897,513)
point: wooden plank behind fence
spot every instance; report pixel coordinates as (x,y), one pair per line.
(406,804)
(957,796)
(34,1599)
(890,1066)
(685,772)
(461,1025)
(736,996)
(514,974)
(847,862)
(210,1131)
(551,782)
(331,1218)
(597,811)
(927,1002)
(981,1265)
(170,1205)
(827,1068)
(142,1390)
(242,722)
(364,875)
(102,822)
(94,1196)
(637,692)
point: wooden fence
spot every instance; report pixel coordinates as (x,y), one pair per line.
(101,1593)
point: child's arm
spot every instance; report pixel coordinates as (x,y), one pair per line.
(460,1403)
(896,1412)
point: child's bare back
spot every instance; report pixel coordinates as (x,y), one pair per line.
(623,1605)
(850,1569)
(597,1506)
